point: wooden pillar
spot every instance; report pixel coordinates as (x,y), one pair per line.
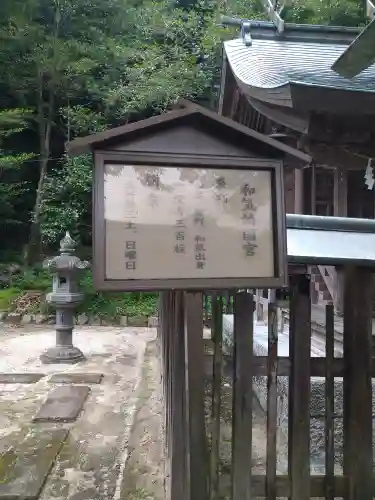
(340,209)
(313,189)
(299,387)
(298,191)
(217,338)
(340,202)
(357,383)
(242,397)
(171,332)
(197,457)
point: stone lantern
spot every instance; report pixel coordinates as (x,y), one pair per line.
(65,296)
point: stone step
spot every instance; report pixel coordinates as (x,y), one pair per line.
(20,378)
(27,462)
(76,378)
(63,404)
(318,334)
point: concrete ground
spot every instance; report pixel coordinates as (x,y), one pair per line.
(96,438)
(100,455)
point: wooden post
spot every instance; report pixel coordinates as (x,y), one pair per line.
(330,400)
(340,193)
(194,379)
(173,373)
(313,189)
(242,396)
(357,383)
(271,492)
(217,337)
(340,209)
(299,387)
(298,191)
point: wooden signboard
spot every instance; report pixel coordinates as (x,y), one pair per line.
(187,200)
(200,226)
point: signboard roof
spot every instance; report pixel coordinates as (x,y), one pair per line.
(187,200)
(193,116)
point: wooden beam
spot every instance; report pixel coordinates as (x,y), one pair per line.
(242,397)
(342,157)
(272,402)
(357,383)
(340,209)
(313,189)
(299,388)
(316,485)
(340,193)
(217,339)
(298,191)
(329,403)
(194,380)
(171,307)
(260,363)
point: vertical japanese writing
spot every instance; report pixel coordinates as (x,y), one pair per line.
(220,194)
(152,180)
(199,239)
(248,217)
(130,228)
(180,225)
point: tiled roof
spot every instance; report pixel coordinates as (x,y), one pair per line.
(275,64)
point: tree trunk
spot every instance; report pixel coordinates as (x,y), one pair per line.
(45,120)
(34,248)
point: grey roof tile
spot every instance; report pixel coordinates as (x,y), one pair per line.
(277,63)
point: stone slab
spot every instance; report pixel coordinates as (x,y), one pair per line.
(20,378)
(76,378)
(13,318)
(63,404)
(25,467)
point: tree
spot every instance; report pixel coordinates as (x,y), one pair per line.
(82,64)
(12,121)
(170,53)
(56,47)
(85,65)
(331,12)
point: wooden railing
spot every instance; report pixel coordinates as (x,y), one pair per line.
(200,422)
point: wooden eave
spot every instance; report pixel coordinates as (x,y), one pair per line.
(191,114)
(293,70)
(342,141)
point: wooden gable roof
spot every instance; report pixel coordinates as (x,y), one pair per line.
(204,126)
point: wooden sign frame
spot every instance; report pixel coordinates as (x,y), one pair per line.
(275,167)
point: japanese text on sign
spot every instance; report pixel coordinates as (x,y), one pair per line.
(175,223)
(130,228)
(248,216)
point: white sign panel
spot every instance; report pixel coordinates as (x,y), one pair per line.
(181,222)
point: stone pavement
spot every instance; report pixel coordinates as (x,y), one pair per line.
(65,429)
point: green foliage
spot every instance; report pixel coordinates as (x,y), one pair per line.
(12,121)
(33,279)
(114,305)
(66,202)
(82,66)
(103,305)
(331,12)
(73,67)
(7,296)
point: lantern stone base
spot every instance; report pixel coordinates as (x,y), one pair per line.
(63,355)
